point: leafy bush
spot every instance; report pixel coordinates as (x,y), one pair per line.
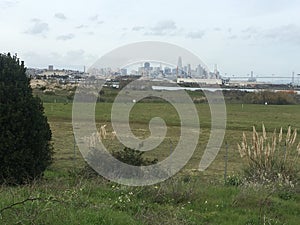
(233,180)
(25,149)
(271,159)
(126,155)
(271,97)
(274,98)
(133,157)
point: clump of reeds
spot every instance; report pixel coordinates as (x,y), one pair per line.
(271,158)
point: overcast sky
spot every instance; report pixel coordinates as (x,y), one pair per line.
(239,36)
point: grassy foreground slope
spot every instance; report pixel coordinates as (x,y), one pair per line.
(65,196)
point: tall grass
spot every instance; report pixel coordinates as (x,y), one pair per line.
(273,158)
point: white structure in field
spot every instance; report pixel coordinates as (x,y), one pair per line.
(212,81)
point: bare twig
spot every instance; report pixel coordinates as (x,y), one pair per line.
(18,203)
(30,199)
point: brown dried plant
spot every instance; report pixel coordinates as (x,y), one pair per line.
(270,157)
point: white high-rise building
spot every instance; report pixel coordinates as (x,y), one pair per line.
(179,63)
(200,71)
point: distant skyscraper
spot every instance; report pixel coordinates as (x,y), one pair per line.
(179,64)
(147,65)
(189,70)
(179,67)
(123,72)
(200,70)
(168,71)
(50,67)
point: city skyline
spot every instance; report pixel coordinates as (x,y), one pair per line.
(238,36)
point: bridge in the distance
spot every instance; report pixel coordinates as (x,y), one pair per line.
(262,77)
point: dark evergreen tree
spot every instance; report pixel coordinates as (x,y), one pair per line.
(25,135)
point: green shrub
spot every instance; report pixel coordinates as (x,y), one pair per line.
(25,149)
(233,181)
(126,155)
(133,157)
(274,98)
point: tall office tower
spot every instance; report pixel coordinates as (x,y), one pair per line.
(179,64)
(200,71)
(147,65)
(50,67)
(216,73)
(179,67)
(123,72)
(189,70)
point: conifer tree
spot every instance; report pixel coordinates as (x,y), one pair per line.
(25,135)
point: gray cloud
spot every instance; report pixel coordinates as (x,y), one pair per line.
(7,4)
(196,34)
(38,28)
(164,25)
(81,26)
(162,28)
(60,16)
(138,28)
(65,37)
(96,19)
(287,33)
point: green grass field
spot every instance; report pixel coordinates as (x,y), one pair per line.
(64,196)
(238,120)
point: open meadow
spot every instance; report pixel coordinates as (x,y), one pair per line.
(66,195)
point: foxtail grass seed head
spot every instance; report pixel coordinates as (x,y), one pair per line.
(294,136)
(239,148)
(280,135)
(254,135)
(254,155)
(264,132)
(244,146)
(273,145)
(298,148)
(249,153)
(268,151)
(288,135)
(261,147)
(242,151)
(244,137)
(261,153)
